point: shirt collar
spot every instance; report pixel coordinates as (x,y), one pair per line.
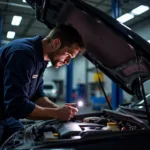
(38,47)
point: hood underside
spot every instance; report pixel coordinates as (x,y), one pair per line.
(117,51)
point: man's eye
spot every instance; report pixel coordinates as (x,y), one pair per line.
(69,55)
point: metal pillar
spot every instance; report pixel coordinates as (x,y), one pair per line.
(116,8)
(87,92)
(117,96)
(69,78)
(0,30)
(117,93)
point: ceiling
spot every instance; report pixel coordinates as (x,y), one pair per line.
(30,26)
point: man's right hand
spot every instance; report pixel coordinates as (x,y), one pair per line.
(65,112)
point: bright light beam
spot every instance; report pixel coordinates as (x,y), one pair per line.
(80,103)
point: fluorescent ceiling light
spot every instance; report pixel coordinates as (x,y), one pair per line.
(126,17)
(10,34)
(16,20)
(24,1)
(139,10)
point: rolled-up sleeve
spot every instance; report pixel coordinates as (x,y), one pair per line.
(17,76)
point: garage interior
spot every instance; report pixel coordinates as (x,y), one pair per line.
(79,82)
(83,81)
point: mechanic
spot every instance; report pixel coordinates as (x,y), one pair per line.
(22,63)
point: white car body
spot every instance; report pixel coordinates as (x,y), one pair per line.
(50,89)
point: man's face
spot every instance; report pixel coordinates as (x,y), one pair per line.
(63,56)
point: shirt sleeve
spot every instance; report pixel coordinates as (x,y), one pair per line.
(17,76)
(39,93)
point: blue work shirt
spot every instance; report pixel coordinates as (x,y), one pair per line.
(21,68)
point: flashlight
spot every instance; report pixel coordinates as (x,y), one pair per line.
(80,103)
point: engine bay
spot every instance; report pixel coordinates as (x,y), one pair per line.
(101,125)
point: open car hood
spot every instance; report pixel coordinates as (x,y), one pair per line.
(117,51)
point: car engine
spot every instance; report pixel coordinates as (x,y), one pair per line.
(82,127)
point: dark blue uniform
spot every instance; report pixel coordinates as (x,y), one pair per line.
(21,68)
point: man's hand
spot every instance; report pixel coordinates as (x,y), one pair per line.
(66,112)
(71,104)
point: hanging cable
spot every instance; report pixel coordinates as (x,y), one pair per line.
(142,90)
(101,87)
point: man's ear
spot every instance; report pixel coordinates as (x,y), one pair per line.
(56,43)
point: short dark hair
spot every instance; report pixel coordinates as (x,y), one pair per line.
(67,34)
